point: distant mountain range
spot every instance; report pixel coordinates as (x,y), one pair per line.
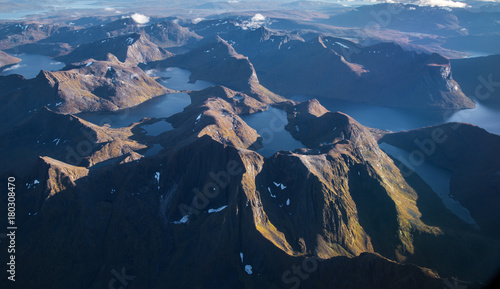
(131,48)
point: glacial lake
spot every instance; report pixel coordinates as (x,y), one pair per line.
(270,125)
(158,107)
(178,79)
(399,119)
(31,64)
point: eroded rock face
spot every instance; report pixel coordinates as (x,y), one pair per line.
(478,77)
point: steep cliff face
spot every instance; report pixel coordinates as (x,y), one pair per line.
(471,154)
(478,76)
(354,176)
(411,79)
(381,74)
(131,48)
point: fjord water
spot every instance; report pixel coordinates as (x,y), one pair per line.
(158,107)
(483,116)
(399,119)
(437,178)
(31,64)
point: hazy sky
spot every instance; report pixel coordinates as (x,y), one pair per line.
(11,6)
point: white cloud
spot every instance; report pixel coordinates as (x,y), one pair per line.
(140,18)
(255,22)
(258,18)
(442,3)
(197,20)
(435,3)
(14,67)
(109,9)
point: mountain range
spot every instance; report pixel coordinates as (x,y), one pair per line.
(198,205)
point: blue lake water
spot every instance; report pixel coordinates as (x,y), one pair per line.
(178,79)
(437,178)
(158,107)
(270,125)
(31,64)
(157,128)
(154,150)
(398,119)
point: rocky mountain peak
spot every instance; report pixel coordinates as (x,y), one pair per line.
(132,48)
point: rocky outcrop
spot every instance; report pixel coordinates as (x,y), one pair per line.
(7,60)
(214,112)
(131,48)
(58,176)
(240,102)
